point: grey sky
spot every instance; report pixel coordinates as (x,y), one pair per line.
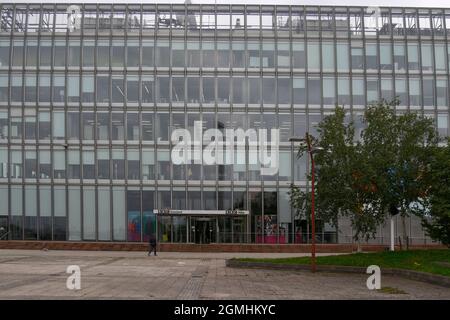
(386,3)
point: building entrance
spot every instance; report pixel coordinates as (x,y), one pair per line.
(202,226)
(203,230)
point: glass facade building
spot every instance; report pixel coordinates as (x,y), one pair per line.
(90,94)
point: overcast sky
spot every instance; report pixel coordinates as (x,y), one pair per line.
(386,3)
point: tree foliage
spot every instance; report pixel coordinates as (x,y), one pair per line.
(362,173)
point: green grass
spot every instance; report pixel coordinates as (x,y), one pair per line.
(419,260)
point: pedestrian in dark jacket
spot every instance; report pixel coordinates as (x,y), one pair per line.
(152,245)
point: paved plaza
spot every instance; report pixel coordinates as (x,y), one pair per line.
(26,274)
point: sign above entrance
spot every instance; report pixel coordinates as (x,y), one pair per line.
(201,212)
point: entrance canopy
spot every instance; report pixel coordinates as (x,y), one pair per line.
(201,212)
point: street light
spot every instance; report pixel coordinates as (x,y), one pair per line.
(311,150)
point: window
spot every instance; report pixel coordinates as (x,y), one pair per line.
(147,89)
(74,53)
(342,56)
(284,173)
(439,57)
(254,91)
(3,125)
(343,91)
(299,92)
(193,89)
(74,204)
(253,60)
(399,57)
(163,127)
(44,125)
(400,91)
(104,214)
(31,57)
(269,87)
(102,88)
(162,54)
(372,90)
(73,88)
(103,53)
(414,92)
(209,55)
(16,127)
(147,126)
(163,165)
(118,131)
(3,168)
(58,125)
(357,56)
(117,89)
(132,126)
(162,89)
(132,54)
(59,88)
(148,164)
(442,92)
(329,91)
(428,91)
(223,54)
(3,88)
(88,123)
(223,90)
(118,54)
(134,168)
(193,54)
(17,54)
(88,53)
(4,53)
(313,56)
(371,56)
(45,53)
(298,55)
(103,126)
(88,165)
(283,55)
(178,55)
(327,57)
(73,125)
(87,93)
(89,221)
(314,94)
(284,90)
(268,54)
(147,53)
(118,164)
(386,89)
(238,54)
(16,88)
(44,88)
(30,88)
(413,56)
(239,90)
(358,92)
(30,165)
(45,168)
(59,57)
(427,57)
(103,163)
(178,89)
(59,164)
(385,56)
(208,94)
(73,164)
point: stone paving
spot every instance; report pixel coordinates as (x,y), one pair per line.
(27,274)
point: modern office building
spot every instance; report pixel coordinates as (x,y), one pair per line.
(90,93)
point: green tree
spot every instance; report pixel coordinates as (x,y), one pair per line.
(434,207)
(360,177)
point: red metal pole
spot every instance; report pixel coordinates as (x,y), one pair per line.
(313,219)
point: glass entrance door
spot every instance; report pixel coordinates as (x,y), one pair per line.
(203,230)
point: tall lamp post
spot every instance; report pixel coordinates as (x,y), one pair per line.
(311,150)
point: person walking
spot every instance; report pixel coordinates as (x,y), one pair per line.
(152,245)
